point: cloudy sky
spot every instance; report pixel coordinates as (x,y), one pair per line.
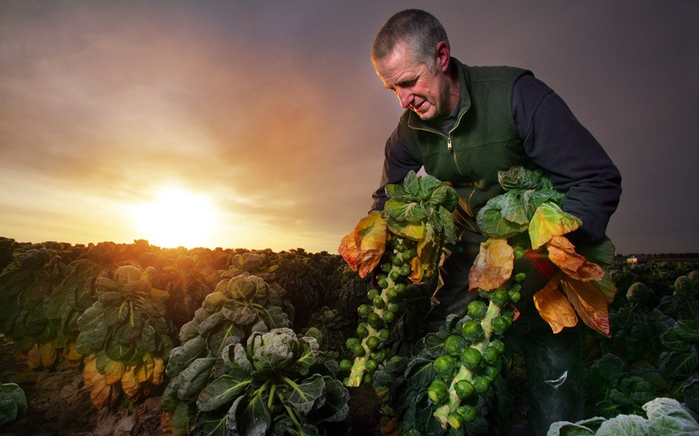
(266,122)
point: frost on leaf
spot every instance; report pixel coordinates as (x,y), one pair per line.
(562,254)
(362,249)
(493,265)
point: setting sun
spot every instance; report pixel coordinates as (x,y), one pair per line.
(176,217)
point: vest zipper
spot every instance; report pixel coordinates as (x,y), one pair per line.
(449,143)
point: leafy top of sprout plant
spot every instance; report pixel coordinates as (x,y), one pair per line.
(528,217)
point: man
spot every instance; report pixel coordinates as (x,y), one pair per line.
(462,125)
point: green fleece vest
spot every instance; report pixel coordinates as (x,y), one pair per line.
(483,141)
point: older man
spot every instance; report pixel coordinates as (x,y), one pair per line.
(463,124)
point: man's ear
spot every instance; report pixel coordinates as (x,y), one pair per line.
(443,55)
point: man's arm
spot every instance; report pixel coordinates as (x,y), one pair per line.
(397,164)
(556,141)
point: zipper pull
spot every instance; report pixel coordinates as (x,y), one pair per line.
(449,143)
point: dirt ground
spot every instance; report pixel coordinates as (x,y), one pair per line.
(59,405)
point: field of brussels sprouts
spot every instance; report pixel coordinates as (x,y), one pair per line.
(121,339)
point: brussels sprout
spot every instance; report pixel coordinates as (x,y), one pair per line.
(499,297)
(386,267)
(372,293)
(383,283)
(379,303)
(472,330)
(362,330)
(454,345)
(498,344)
(491,354)
(491,372)
(471,358)
(374,319)
(481,384)
(384,335)
(345,365)
(373,342)
(379,355)
(397,261)
(394,275)
(477,309)
(500,325)
(455,420)
(438,391)
(358,350)
(514,296)
(371,365)
(389,317)
(391,293)
(468,412)
(400,288)
(367,379)
(445,366)
(393,307)
(351,342)
(405,270)
(519,277)
(364,310)
(464,389)
(406,255)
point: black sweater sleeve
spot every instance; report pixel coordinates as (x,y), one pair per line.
(397,164)
(555,140)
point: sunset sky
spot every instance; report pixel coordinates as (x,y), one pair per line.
(266,122)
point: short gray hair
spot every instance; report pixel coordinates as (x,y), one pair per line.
(419,30)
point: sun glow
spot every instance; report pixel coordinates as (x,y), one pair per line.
(177,217)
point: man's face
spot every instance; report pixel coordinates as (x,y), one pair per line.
(422,91)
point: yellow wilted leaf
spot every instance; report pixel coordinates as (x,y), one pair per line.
(549,221)
(48,354)
(100,393)
(589,303)
(493,265)
(417,271)
(113,371)
(158,373)
(144,369)
(362,249)
(33,357)
(129,384)
(90,369)
(70,352)
(554,307)
(562,253)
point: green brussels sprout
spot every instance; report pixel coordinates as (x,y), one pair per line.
(477,309)
(351,342)
(406,255)
(379,303)
(345,365)
(519,277)
(481,384)
(491,372)
(400,288)
(393,307)
(454,345)
(499,297)
(391,293)
(468,412)
(464,389)
(471,358)
(359,350)
(367,379)
(498,344)
(389,317)
(371,365)
(455,420)
(374,319)
(364,310)
(472,330)
(372,293)
(500,325)
(384,335)
(399,248)
(514,296)
(362,330)
(397,261)
(379,355)
(405,270)
(372,342)
(394,275)
(386,267)
(445,366)
(438,391)
(383,283)
(491,354)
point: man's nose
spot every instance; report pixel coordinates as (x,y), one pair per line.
(405,98)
